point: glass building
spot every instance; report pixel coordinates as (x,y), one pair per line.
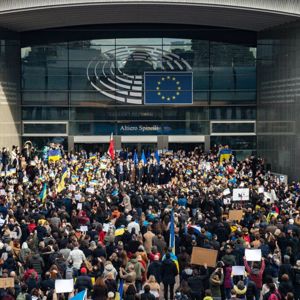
(79,88)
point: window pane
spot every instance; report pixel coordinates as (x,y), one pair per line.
(45,113)
(232,127)
(45,128)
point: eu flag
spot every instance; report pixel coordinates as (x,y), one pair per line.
(168,88)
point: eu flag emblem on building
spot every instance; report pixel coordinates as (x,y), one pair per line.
(168,88)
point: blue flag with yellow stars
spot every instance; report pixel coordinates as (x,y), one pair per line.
(168,88)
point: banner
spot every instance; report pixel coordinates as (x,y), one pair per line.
(202,256)
(168,88)
(240,194)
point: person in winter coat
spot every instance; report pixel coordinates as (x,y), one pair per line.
(285,285)
(228,282)
(215,281)
(155,269)
(256,274)
(196,283)
(240,288)
(168,273)
(296,279)
(83,281)
(109,268)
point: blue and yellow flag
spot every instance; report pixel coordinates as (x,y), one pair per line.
(62,183)
(80,296)
(168,88)
(119,294)
(54,155)
(135,158)
(43,194)
(172,241)
(225,154)
(143,158)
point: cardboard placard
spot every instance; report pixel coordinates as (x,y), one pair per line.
(238,270)
(8,282)
(202,256)
(64,286)
(235,215)
(240,194)
(253,254)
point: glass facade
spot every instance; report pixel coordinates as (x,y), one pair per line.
(97,85)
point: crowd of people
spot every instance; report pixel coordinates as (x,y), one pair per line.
(107,222)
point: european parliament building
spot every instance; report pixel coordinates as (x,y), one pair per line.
(158,74)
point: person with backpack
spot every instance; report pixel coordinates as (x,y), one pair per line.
(70,271)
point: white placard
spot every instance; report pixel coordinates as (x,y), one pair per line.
(79,206)
(238,270)
(90,190)
(77,197)
(261,190)
(2,192)
(273,196)
(13,235)
(227,201)
(106,227)
(226,192)
(64,286)
(240,194)
(83,228)
(253,254)
(72,187)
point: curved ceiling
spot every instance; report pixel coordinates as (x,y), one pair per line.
(254,15)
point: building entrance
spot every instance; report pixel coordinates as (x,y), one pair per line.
(139,147)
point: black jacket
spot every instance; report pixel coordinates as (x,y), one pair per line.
(168,271)
(155,270)
(83,282)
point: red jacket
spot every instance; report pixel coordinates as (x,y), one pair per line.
(257,278)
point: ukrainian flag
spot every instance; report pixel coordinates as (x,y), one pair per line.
(54,155)
(62,183)
(119,231)
(119,294)
(225,154)
(93,156)
(172,241)
(43,194)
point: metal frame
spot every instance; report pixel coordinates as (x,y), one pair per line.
(45,134)
(233,133)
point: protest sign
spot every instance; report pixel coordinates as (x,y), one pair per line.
(226,192)
(202,256)
(64,286)
(261,190)
(240,194)
(79,206)
(238,270)
(8,282)
(235,215)
(13,235)
(83,228)
(227,201)
(253,254)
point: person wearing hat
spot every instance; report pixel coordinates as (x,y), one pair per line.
(83,281)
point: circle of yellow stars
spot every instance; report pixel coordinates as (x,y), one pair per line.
(161,94)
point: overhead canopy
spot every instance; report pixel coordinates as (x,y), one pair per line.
(254,15)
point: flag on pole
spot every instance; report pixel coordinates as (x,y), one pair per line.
(172,233)
(111,148)
(62,183)
(157,157)
(79,296)
(143,158)
(135,158)
(43,194)
(119,295)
